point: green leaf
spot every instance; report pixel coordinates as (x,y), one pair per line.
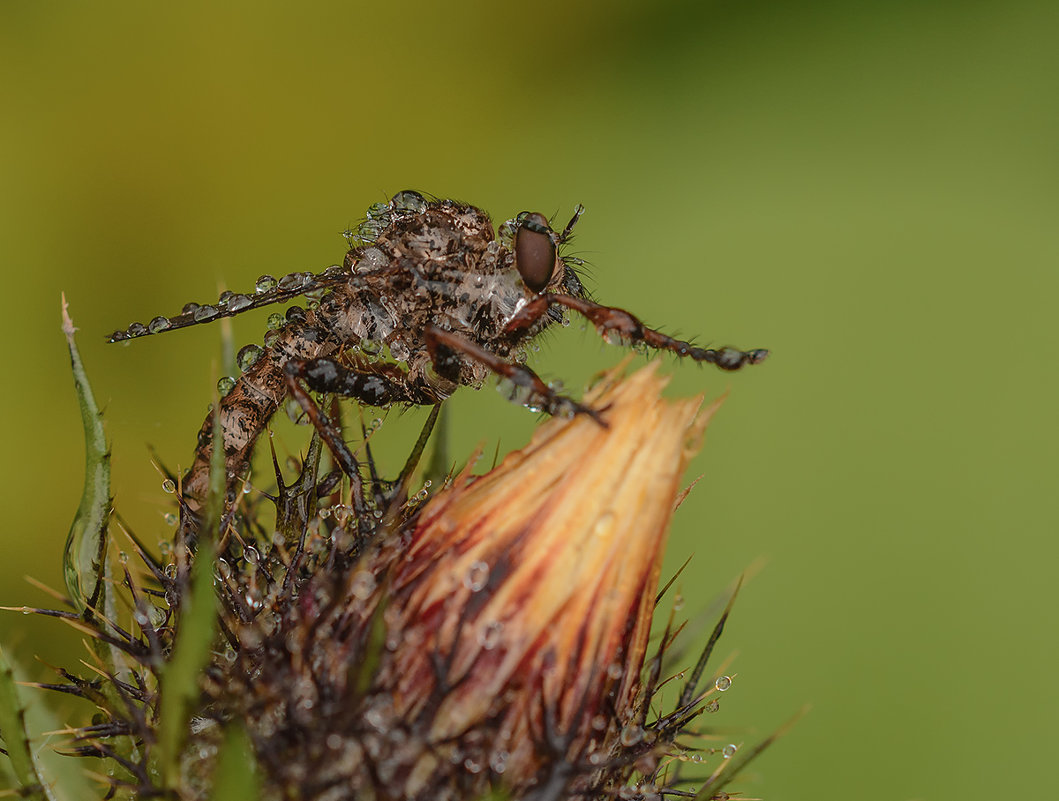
(236,778)
(16,740)
(84,557)
(179,682)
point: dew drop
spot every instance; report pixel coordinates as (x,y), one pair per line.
(293,281)
(369,230)
(631,735)
(265,283)
(378,211)
(136,330)
(372,259)
(158,324)
(489,636)
(170,519)
(189,308)
(275,321)
(169,486)
(362,585)
(729,751)
(203,313)
(498,761)
(712,705)
(477,576)
(408,202)
(295,314)
(615,670)
(225,385)
(599,722)
(251,555)
(239,302)
(224,569)
(723,683)
(123,557)
(248,356)
(604,526)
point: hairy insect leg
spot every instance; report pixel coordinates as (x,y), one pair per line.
(525,381)
(296,371)
(612,321)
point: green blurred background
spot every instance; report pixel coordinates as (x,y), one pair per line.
(868,189)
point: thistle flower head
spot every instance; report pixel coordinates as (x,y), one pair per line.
(493,639)
(520,602)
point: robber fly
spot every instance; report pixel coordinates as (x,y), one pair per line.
(429,282)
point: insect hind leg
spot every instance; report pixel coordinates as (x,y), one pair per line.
(612,322)
(327,375)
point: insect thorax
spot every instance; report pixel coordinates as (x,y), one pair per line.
(439,266)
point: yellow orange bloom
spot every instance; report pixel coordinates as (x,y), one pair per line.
(520,602)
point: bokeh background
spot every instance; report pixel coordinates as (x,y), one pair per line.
(868,189)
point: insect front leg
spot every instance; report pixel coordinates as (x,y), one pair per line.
(611,321)
(445,347)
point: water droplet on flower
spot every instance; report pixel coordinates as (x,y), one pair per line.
(631,735)
(158,324)
(490,635)
(604,526)
(169,486)
(615,670)
(362,585)
(225,384)
(265,283)
(729,751)
(723,683)
(498,761)
(477,576)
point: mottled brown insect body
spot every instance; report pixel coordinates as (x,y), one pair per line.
(428,300)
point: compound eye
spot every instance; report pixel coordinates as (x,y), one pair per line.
(535,251)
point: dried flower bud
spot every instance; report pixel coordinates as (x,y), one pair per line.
(518,606)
